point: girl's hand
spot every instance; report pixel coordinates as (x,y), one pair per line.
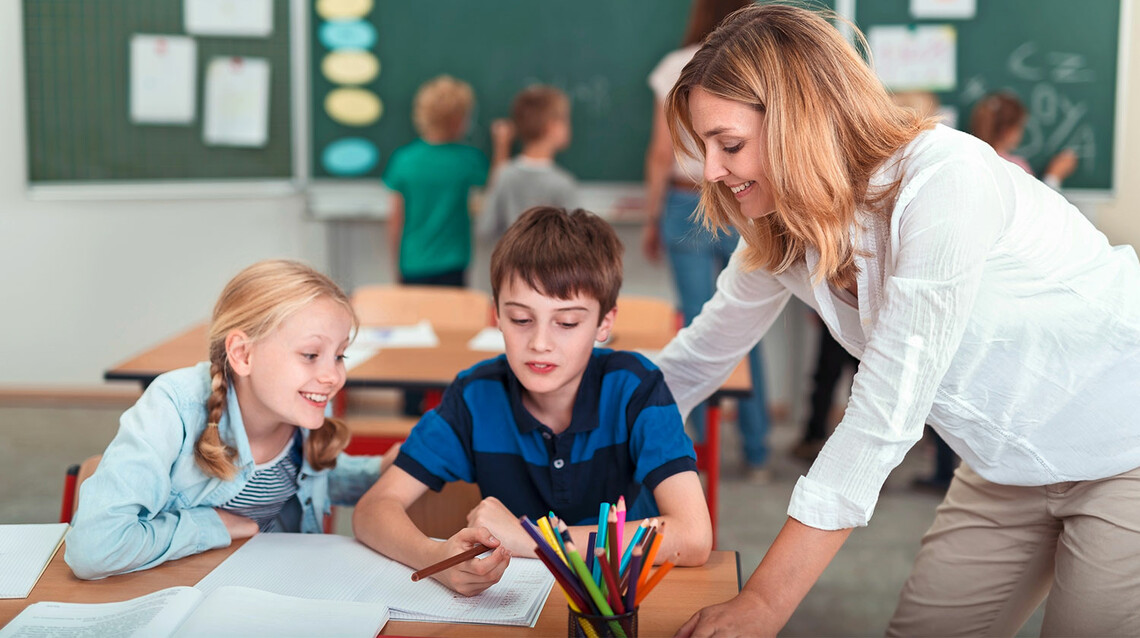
(744,615)
(477,574)
(1062,165)
(492,514)
(651,241)
(238,526)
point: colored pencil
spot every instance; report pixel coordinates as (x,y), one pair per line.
(620,531)
(448,563)
(577,598)
(611,582)
(650,556)
(633,574)
(595,593)
(612,538)
(657,576)
(603,517)
(548,533)
(542,548)
(632,542)
(590,550)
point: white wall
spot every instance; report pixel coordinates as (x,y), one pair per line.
(83,285)
(1120,220)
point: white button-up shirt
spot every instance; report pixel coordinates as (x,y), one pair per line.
(988,307)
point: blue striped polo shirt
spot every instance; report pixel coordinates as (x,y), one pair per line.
(625,437)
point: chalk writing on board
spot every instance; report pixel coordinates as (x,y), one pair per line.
(591,94)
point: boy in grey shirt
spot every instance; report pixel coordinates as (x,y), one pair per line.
(541,118)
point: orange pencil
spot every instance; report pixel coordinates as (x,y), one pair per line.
(657,576)
(650,556)
(448,563)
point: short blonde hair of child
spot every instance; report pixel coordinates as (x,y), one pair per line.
(441,107)
(830,125)
(257,301)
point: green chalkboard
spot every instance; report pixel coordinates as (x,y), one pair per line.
(599,51)
(77,60)
(1059,56)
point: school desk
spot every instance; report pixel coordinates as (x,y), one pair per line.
(682,593)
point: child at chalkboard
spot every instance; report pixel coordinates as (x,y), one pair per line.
(998,119)
(429,227)
(235,445)
(540,116)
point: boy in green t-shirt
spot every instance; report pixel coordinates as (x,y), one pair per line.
(429,227)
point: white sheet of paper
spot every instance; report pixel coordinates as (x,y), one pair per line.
(157,614)
(489,339)
(420,335)
(331,567)
(358,353)
(25,551)
(248,18)
(266,614)
(237,102)
(921,58)
(163,79)
(943,9)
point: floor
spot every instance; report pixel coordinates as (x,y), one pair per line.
(855,596)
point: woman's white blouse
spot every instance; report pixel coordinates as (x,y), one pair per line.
(988,307)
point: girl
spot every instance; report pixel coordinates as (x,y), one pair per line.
(998,119)
(232,446)
(976,298)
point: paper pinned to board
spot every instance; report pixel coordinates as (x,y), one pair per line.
(237,102)
(25,551)
(420,335)
(163,79)
(943,9)
(918,58)
(234,18)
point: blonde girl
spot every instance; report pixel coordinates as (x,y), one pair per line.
(977,300)
(234,445)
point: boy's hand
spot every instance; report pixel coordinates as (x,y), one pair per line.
(492,514)
(502,133)
(477,574)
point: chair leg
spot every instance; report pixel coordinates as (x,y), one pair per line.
(712,444)
(69,481)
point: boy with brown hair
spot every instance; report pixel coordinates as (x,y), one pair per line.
(540,116)
(555,424)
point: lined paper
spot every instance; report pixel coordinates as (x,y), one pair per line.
(326,566)
(25,551)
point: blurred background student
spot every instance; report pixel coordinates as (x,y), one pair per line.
(998,119)
(696,255)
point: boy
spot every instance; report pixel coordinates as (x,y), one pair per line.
(429,227)
(540,116)
(553,424)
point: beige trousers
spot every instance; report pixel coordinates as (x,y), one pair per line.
(995,551)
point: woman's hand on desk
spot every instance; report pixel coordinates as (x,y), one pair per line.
(477,574)
(744,615)
(492,514)
(239,527)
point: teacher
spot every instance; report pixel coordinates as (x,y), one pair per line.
(977,300)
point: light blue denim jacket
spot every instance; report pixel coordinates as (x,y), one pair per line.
(148,502)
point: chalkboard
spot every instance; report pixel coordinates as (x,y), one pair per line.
(1060,57)
(599,52)
(77,61)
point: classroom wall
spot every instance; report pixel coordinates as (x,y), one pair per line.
(84,284)
(1120,219)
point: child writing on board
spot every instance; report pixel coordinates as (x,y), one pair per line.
(999,119)
(235,445)
(540,116)
(555,424)
(429,224)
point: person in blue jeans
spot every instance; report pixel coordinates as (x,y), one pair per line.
(696,257)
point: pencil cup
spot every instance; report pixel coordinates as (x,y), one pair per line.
(589,626)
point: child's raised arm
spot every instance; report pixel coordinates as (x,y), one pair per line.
(381,521)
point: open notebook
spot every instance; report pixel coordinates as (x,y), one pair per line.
(333,567)
(182,612)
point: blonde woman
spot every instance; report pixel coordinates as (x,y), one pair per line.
(977,299)
(234,445)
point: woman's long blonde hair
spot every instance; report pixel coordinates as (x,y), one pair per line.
(257,301)
(830,125)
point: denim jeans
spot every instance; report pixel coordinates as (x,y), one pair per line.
(696,258)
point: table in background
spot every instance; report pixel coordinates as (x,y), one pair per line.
(680,594)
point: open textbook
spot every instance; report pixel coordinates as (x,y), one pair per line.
(180,612)
(331,567)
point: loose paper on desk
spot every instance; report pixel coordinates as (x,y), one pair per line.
(921,58)
(333,567)
(237,102)
(25,551)
(357,353)
(488,340)
(420,335)
(163,79)
(240,18)
(181,612)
